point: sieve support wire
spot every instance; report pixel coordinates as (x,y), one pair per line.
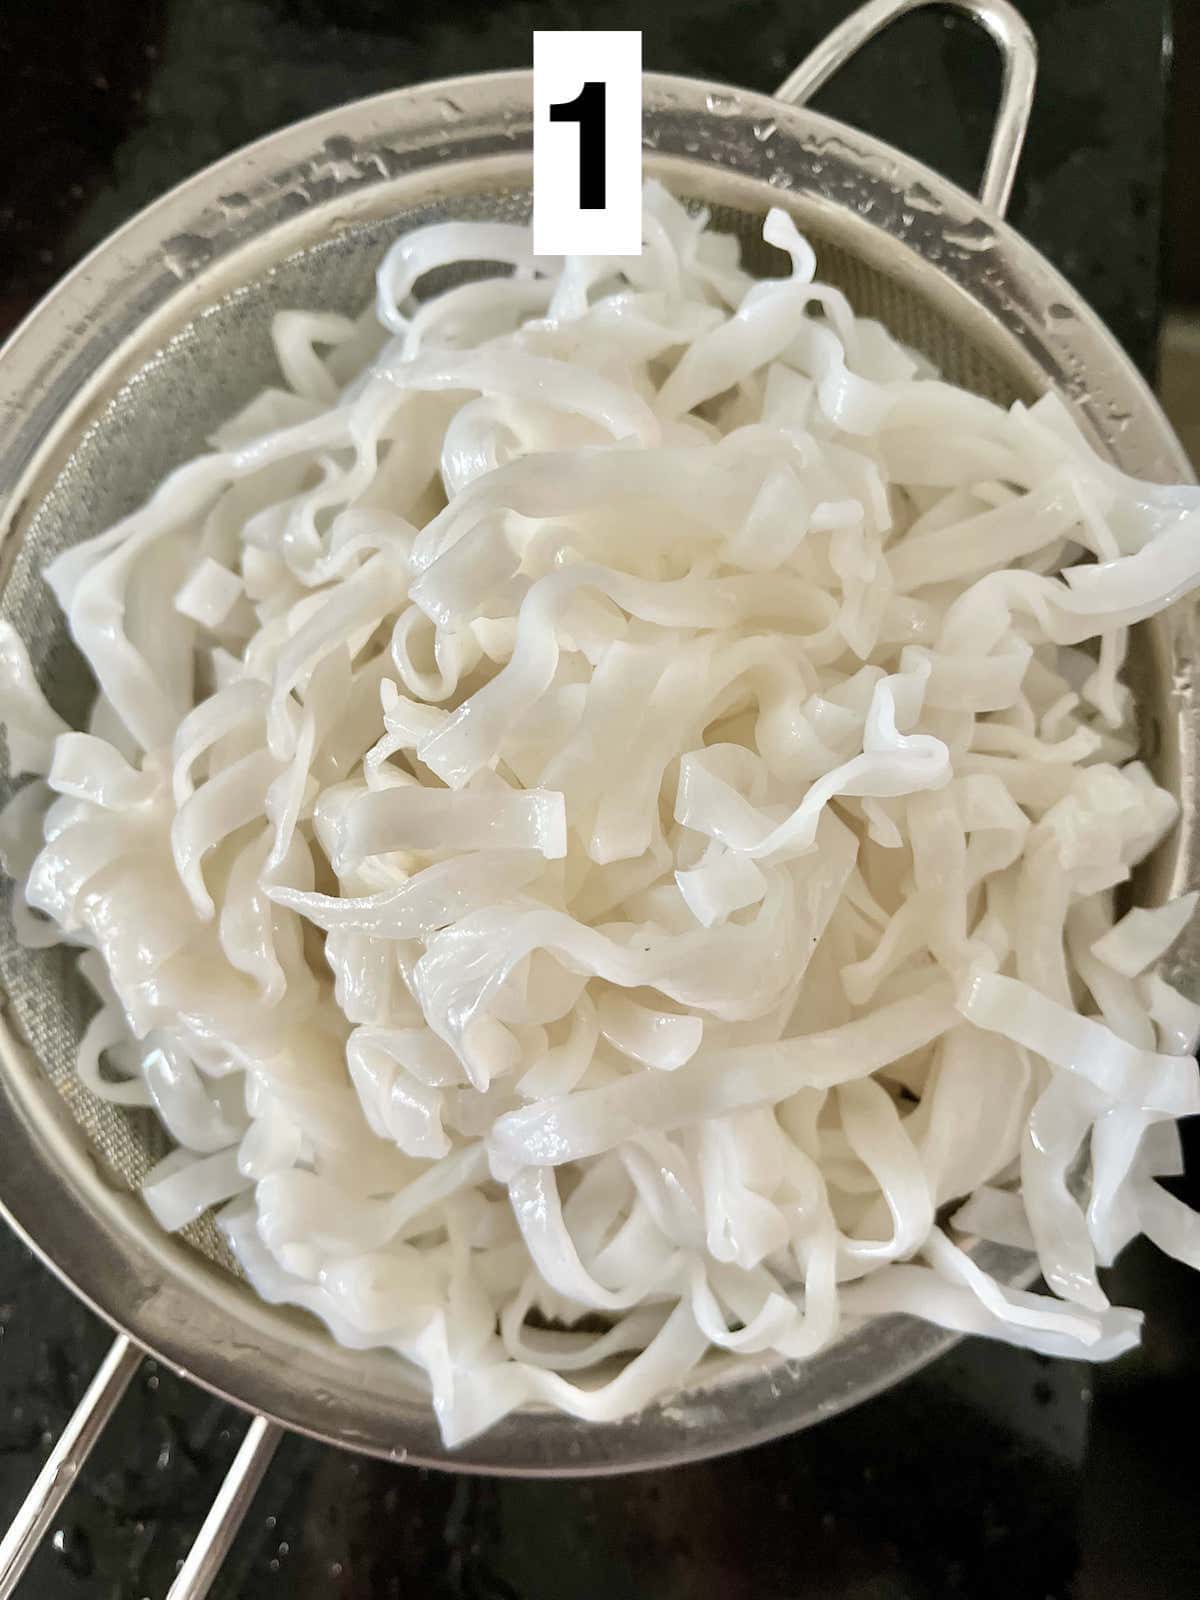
(1018,51)
(63,1464)
(227,1512)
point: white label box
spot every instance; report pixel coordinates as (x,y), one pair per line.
(587,142)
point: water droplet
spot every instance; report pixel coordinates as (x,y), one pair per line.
(722,105)
(763,131)
(1057,312)
(921,198)
(270,1523)
(339,164)
(973,235)
(780,179)
(186,253)
(74,1545)
(233,204)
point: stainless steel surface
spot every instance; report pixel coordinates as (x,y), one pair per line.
(227,1512)
(72,1448)
(1018,52)
(118,376)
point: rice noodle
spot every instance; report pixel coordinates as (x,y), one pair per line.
(618,824)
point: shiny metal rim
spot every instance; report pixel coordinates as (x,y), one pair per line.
(270,199)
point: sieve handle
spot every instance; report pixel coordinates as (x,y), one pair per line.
(227,1512)
(63,1464)
(1018,50)
(65,1461)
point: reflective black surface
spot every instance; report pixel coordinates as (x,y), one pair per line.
(993,1473)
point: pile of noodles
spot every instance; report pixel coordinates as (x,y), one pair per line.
(603,797)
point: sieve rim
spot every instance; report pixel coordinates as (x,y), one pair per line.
(102,1243)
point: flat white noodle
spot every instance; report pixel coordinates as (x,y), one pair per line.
(619,818)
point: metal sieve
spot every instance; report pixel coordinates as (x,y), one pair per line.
(162,332)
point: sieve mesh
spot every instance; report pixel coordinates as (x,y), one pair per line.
(161,417)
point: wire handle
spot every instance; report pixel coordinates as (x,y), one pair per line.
(64,1463)
(71,1450)
(227,1512)
(1018,51)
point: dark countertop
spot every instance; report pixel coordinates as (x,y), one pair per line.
(992,1473)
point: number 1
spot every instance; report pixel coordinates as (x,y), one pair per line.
(587,109)
(587,203)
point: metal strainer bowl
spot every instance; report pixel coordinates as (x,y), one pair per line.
(120,375)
